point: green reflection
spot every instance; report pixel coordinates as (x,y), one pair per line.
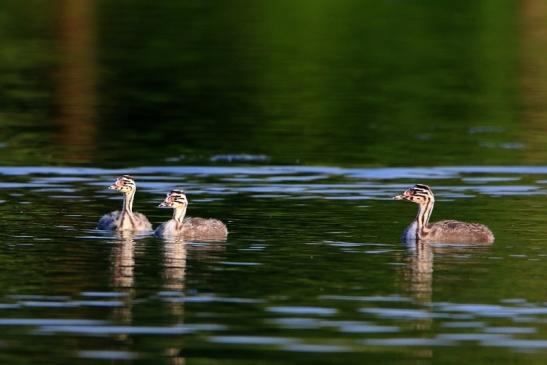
(323,82)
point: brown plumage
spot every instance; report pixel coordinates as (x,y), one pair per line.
(125,219)
(446,231)
(452,231)
(196,229)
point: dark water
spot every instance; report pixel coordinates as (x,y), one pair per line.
(312,271)
(295,123)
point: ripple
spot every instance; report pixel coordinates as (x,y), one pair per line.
(391,173)
(409,314)
(471,336)
(342,326)
(344,244)
(107,355)
(243,157)
(49,304)
(517,344)
(48,322)
(375,298)
(298,323)
(510,330)
(252,340)
(356,327)
(320,311)
(409,342)
(301,347)
(239,263)
(38,297)
(513,301)
(465,324)
(485,310)
(130,330)
(511,190)
(488,179)
(103,294)
(211,299)
(9,306)
(99,303)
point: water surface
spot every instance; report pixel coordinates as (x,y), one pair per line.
(294,122)
(313,270)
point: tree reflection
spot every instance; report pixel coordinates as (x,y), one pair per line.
(76,79)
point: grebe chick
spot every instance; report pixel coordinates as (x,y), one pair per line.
(446,231)
(198,229)
(125,219)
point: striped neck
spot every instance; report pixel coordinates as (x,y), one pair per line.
(422,219)
(128,202)
(179,213)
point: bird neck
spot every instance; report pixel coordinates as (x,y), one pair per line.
(179,213)
(422,219)
(128,202)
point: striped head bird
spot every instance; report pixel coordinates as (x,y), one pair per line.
(125,219)
(189,228)
(445,231)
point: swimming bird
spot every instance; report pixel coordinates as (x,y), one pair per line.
(446,231)
(125,219)
(198,229)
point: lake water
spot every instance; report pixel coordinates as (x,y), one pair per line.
(313,269)
(295,123)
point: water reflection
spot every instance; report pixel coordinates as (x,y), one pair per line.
(76,79)
(418,279)
(181,298)
(174,272)
(174,264)
(533,76)
(418,273)
(123,261)
(123,278)
(419,267)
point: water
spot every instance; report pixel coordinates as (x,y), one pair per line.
(312,271)
(295,123)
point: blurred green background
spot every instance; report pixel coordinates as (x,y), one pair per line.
(350,82)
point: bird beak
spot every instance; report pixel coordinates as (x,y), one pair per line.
(117,185)
(403,196)
(163,205)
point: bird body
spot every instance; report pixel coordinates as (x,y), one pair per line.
(451,231)
(122,221)
(445,231)
(125,219)
(191,228)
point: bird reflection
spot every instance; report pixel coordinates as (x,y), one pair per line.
(419,268)
(418,276)
(122,268)
(175,254)
(123,261)
(174,258)
(174,272)
(174,265)
(418,272)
